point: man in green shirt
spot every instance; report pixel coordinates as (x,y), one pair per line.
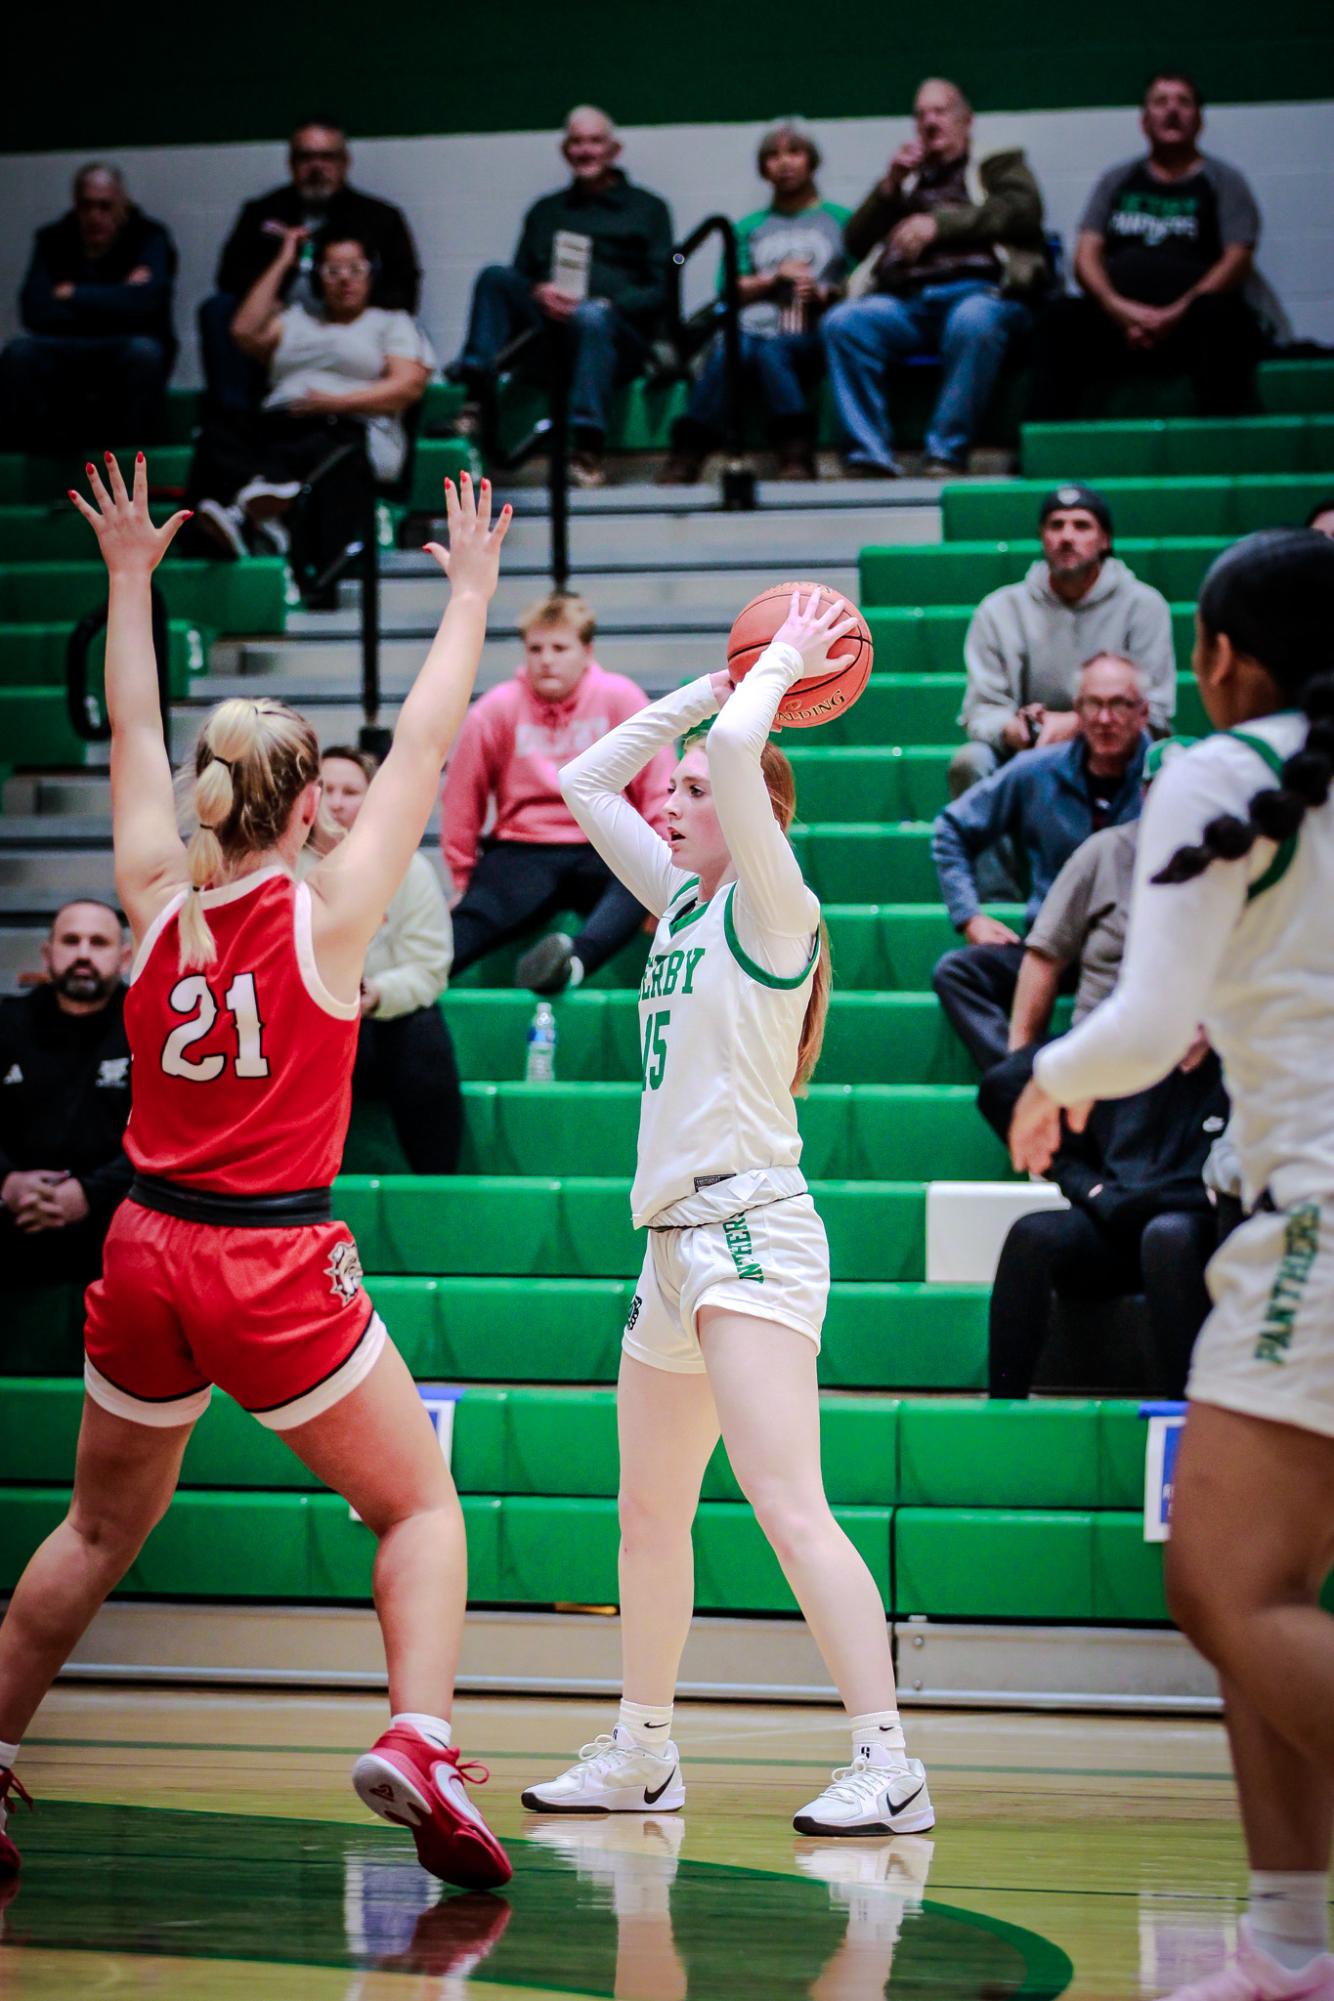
(791,264)
(592,259)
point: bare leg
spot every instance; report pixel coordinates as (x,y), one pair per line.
(378,1449)
(766,1393)
(668,1428)
(124,1477)
(1251,1544)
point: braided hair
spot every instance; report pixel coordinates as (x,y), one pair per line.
(1273,595)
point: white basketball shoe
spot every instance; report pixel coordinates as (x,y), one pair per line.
(614,1775)
(865,1798)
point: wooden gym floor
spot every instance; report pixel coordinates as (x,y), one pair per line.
(194,1846)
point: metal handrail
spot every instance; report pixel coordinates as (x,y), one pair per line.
(738,484)
(88,717)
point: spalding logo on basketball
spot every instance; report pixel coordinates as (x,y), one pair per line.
(829,693)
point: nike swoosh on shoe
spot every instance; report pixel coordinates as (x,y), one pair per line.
(651,1799)
(897,1806)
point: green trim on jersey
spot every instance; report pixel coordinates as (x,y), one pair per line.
(748,965)
(745,229)
(1285,851)
(693,883)
(684,917)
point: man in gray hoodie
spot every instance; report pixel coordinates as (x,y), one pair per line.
(1027,641)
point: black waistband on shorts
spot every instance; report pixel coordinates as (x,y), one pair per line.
(251,1212)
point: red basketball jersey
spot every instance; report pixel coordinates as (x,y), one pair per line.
(242,1073)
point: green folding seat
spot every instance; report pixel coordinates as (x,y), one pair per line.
(867,864)
(905,1336)
(1039,1453)
(35,729)
(433,460)
(993,1563)
(1127,1572)
(496,969)
(1304,387)
(960,573)
(1180,446)
(33,656)
(883,782)
(249,596)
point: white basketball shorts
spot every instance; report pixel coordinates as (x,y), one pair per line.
(1267,1349)
(771,1262)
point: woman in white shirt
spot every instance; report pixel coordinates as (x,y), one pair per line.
(342,377)
(1230,926)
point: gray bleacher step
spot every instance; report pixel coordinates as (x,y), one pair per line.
(784,536)
(705,496)
(53,793)
(657,661)
(412,593)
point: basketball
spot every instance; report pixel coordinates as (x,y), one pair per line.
(829,693)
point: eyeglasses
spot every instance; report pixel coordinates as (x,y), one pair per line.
(358,270)
(303,156)
(1118,706)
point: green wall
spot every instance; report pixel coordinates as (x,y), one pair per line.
(155,74)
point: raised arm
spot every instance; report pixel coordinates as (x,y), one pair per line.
(352,888)
(150,855)
(593,784)
(258,324)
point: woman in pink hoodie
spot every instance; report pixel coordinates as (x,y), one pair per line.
(533,859)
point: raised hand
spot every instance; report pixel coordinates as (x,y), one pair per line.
(472,560)
(127,536)
(812,631)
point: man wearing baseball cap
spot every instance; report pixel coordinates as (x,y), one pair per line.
(1027,641)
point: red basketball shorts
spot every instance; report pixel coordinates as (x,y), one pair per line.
(276,1317)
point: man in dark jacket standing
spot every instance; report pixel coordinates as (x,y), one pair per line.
(949,268)
(64,1103)
(96,303)
(318,199)
(592,258)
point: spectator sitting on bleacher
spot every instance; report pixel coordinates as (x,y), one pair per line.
(1165,250)
(592,258)
(64,1102)
(318,200)
(503,775)
(1048,801)
(1140,1217)
(341,376)
(405,1054)
(1321,517)
(1027,641)
(950,260)
(791,264)
(93,363)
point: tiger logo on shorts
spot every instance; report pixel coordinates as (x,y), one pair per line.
(343,1271)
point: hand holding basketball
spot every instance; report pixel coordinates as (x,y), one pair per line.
(811,632)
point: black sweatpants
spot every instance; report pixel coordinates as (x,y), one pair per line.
(1065,1251)
(519,883)
(236,446)
(975,986)
(1217,344)
(409,1062)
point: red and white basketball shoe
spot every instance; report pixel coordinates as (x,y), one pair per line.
(422,1785)
(10,1782)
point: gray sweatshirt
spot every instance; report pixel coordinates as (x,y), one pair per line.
(409,957)
(1024,644)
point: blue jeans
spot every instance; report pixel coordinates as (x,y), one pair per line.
(785,365)
(606,347)
(967,324)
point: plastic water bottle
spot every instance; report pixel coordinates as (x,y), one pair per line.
(541,1066)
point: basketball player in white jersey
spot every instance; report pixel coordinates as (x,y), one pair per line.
(1232,926)
(725,1325)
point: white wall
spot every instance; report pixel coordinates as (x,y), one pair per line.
(465,194)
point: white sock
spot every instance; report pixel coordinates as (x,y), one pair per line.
(649,1724)
(576,973)
(9,1754)
(878,1737)
(1289,1914)
(433,1728)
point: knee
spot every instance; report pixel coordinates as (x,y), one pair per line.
(842,324)
(952,972)
(652,1519)
(500,278)
(792,1524)
(980,320)
(594,316)
(1194,1601)
(969,765)
(1168,1242)
(111,1542)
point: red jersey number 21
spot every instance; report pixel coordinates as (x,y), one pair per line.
(192,996)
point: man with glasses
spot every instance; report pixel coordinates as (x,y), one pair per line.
(1048,800)
(319,200)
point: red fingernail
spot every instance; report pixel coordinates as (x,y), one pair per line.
(72,494)
(107,457)
(90,468)
(189,514)
(138,458)
(462,476)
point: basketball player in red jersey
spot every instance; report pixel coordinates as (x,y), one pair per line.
(224,1265)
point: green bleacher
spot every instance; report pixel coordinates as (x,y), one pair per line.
(513,1279)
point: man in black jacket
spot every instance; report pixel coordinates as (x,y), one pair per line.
(592,259)
(319,199)
(93,363)
(64,1103)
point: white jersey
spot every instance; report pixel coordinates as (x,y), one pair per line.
(1247,949)
(719,1038)
(728,980)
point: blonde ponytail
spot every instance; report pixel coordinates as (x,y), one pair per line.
(251,761)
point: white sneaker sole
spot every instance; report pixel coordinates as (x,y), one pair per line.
(917,1818)
(624,1799)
